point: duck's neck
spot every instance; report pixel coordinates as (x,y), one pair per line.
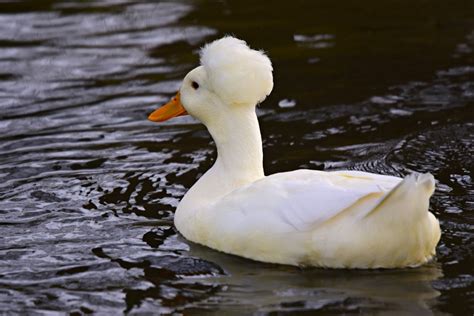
(239,146)
(239,157)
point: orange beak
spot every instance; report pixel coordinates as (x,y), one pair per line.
(171,109)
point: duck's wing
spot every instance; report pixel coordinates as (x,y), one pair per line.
(302,199)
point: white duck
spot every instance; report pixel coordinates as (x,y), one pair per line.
(337,219)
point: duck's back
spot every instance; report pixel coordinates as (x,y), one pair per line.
(335,219)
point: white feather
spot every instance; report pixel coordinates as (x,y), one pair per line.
(238,74)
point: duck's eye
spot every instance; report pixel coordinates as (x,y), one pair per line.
(195,85)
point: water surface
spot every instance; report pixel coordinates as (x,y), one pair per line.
(88,186)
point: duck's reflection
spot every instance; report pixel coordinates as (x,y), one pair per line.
(268,287)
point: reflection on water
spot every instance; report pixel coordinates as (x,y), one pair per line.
(267,288)
(88,187)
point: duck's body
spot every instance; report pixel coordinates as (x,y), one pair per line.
(338,219)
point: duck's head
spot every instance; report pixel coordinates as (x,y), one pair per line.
(231,76)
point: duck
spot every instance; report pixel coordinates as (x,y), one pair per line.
(308,218)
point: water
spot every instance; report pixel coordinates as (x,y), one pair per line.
(88,186)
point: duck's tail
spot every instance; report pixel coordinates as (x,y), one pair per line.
(402,220)
(411,195)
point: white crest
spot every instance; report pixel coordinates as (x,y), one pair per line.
(239,74)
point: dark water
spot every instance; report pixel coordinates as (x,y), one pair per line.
(88,186)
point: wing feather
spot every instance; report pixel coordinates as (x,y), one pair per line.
(301,199)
